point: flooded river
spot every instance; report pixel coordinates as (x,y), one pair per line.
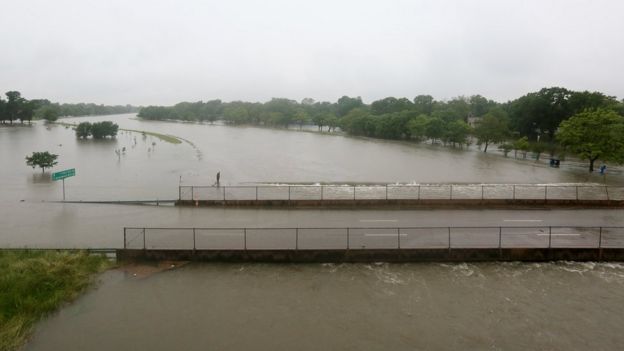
(489,306)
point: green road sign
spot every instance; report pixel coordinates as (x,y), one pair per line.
(64,174)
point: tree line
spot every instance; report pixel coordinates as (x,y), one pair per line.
(528,123)
(17,108)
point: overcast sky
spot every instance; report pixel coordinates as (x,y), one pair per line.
(162,52)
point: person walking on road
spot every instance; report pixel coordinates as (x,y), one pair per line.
(218,177)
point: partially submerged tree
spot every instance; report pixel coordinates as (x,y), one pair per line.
(98,130)
(83,130)
(593,135)
(523,145)
(50,113)
(492,128)
(41,159)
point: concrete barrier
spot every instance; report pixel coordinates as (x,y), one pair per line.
(406,203)
(378,255)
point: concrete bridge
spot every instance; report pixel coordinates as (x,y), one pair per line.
(424,195)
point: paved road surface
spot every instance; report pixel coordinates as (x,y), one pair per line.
(53,225)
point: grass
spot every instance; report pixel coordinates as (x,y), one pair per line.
(36,283)
(164,137)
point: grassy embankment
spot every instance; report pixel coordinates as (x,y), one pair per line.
(164,137)
(36,283)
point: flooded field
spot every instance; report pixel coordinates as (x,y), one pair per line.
(498,306)
(151,168)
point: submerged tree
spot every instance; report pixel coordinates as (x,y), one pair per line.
(492,128)
(594,135)
(41,159)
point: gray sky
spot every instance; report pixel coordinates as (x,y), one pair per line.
(162,52)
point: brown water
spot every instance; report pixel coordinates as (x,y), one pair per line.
(563,306)
(494,306)
(151,168)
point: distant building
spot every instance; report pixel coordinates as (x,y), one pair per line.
(473,121)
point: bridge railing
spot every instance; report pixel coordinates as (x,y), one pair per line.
(354,238)
(401,192)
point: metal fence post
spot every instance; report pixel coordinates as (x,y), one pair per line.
(194,246)
(347,238)
(545,192)
(124,238)
(289,193)
(386,192)
(418,192)
(600,239)
(192,193)
(549,237)
(144,246)
(481,192)
(607,192)
(399,237)
(500,237)
(576,192)
(354,193)
(224,193)
(179,192)
(296,238)
(514,192)
(245,238)
(449,238)
(322,186)
(451,194)
(256,193)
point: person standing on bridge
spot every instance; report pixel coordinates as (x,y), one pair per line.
(218,177)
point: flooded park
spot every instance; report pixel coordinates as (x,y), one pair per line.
(152,168)
(309,306)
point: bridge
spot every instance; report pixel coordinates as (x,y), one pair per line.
(402,195)
(354,244)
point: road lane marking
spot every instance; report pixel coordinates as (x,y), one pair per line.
(379,220)
(522,220)
(563,234)
(382,234)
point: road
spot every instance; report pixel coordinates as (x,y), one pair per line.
(57,225)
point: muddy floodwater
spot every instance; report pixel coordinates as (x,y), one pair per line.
(498,306)
(151,168)
(493,306)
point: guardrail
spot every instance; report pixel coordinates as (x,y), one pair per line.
(354,238)
(402,192)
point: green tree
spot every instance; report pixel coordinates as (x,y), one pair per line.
(390,105)
(345,104)
(236,114)
(301,118)
(538,148)
(13,105)
(100,130)
(457,132)
(332,122)
(83,130)
(521,144)
(3,114)
(593,135)
(506,147)
(50,113)
(418,127)
(41,159)
(436,128)
(423,104)
(492,128)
